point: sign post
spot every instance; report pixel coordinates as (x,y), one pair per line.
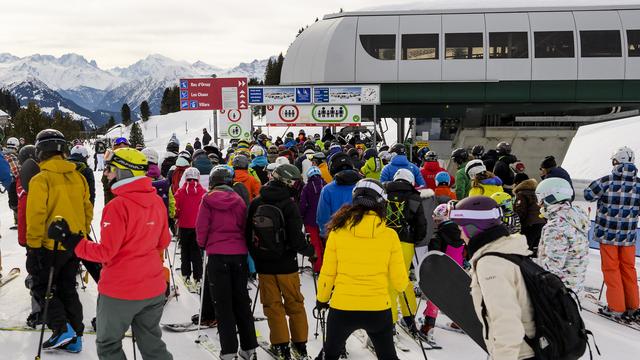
(213,94)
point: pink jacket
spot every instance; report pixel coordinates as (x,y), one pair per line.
(221,222)
(188,199)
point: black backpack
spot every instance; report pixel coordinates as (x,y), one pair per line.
(269,233)
(560,331)
(398,211)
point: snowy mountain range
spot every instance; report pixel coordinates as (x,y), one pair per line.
(70,83)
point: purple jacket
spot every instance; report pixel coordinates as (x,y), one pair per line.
(309,199)
(220,223)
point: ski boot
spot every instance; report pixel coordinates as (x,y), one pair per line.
(248,354)
(281,351)
(228,357)
(74,346)
(33,320)
(59,338)
(299,351)
(615,315)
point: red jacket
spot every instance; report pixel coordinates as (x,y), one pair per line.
(429,171)
(134,230)
(22,213)
(188,200)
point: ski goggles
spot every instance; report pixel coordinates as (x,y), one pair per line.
(121,141)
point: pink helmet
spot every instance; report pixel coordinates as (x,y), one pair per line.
(441,213)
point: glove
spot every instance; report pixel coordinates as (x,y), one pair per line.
(313,258)
(59,230)
(321,306)
(34,260)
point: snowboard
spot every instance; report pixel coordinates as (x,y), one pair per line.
(13,273)
(447,285)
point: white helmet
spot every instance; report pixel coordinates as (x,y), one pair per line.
(282,160)
(79,149)
(623,155)
(474,167)
(152,155)
(406,175)
(13,143)
(257,150)
(192,173)
(553,190)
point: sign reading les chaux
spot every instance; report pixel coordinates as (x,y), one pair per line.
(213,94)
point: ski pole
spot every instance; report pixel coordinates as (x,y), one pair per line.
(48,294)
(133,340)
(424,353)
(601,289)
(173,280)
(255,300)
(204,280)
(315,287)
(94,234)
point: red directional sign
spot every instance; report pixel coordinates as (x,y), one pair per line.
(213,94)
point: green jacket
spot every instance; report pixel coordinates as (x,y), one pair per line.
(463,183)
(372,168)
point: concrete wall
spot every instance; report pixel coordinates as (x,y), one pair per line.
(529,145)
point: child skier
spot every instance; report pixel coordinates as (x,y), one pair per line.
(443,187)
(308,210)
(188,199)
(564,246)
(510,219)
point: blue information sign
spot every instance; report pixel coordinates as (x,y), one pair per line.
(184,104)
(320,95)
(303,95)
(256,96)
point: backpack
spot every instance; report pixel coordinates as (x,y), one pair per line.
(560,331)
(269,233)
(398,211)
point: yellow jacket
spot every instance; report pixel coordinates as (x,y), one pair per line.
(324,172)
(485,190)
(57,190)
(359,264)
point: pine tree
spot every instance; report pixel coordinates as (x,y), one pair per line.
(111,122)
(268,73)
(164,103)
(135,135)
(277,69)
(125,113)
(28,122)
(145,111)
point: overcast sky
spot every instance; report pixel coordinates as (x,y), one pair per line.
(120,32)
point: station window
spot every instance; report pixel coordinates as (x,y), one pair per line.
(554,44)
(381,47)
(508,45)
(463,46)
(600,43)
(419,46)
(633,40)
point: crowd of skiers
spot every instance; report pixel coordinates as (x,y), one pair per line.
(245,212)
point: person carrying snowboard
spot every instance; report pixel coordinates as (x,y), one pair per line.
(618,199)
(274,234)
(496,282)
(405,216)
(57,190)
(353,287)
(134,229)
(220,229)
(510,218)
(309,199)
(188,199)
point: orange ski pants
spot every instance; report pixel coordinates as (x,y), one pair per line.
(619,271)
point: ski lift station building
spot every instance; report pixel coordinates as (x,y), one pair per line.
(471,75)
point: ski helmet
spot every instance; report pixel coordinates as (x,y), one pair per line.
(503,200)
(369,193)
(369,153)
(240,162)
(121,141)
(256,151)
(273,150)
(192,174)
(503,148)
(173,147)
(441,213)
(184,158)
(405,175)
(309,144)
(313,171)
(623,155)
(339,162)
(475,214)
(460,155)
(319,156)
(477,151)
(287,174)
(221,175)
(80,150)
(474,167)
(385,156)
(27,152)
(443,177)
(198,153)
(152,155)
(553,190)
(50,142)
(431,156)
(384,148)
(398,148)
(128,163)
(280,160)
(13,143)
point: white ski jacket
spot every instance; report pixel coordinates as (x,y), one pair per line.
(499,283)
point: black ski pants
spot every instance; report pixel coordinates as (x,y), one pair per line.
(190,254)
(533,234)
(228,276)
(65,305)
(377,324)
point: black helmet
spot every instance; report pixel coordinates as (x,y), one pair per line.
(221,175)
(50,142)
(198,153)
(338,162)
(369,192)
(477,151)
(384,148)
(309,145)
(27,152)
(431,156)
(460,155)
(503,148)
(398,148)
(240,162)
(369,153)
(272,150)
(173,147)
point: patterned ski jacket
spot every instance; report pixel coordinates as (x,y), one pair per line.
(618,197)
(512,221)
(564,245)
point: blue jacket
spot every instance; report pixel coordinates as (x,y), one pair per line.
(334,195)
(618,197)
(5,172)
(290,143)
(401,162)
(558,172)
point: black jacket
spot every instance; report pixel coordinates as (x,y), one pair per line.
(167,163)
(447,234)
(272,193)
(503,170)
(206,138)
(402,191)
(85,170)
